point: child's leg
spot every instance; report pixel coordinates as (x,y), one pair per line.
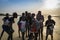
(52,35)
(36,34)
(26,31)
(39,34)
(11,35)
(8,37)
(23,35)
(19,33)
(46,37)
(30,36)
(42,33)
(47,33)
(2,34)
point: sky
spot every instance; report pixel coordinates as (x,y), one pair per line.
(27,5)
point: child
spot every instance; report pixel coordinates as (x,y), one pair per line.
(21,19)
(32,28)
(23,26)
(5,24)
(50,26)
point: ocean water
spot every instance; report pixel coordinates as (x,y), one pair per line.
(56,34)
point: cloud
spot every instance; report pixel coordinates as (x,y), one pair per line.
(50,4)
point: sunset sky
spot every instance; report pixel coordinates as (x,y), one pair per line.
(29,5)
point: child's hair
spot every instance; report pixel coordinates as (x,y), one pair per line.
(15,15)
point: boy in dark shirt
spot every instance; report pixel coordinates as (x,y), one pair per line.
(28,23)
(11,19)
(5,23)
(50,26)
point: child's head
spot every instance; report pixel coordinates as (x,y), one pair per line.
(23,14)
(49,17)
(7,15)
(39,12)
(15,15)
(33,15)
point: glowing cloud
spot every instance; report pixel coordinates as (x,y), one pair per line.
(50,4)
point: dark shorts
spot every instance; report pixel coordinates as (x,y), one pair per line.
(49,32)
(6,28)
(27,26)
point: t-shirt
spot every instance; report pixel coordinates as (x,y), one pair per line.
(6,21)
(29,20)
(41,19)
(37,24)
(19,24)
(11,19)
(33,27)
(50,24)
(5,25)
(23,28)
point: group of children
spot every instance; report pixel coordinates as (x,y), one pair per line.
(30,25)
(34,26)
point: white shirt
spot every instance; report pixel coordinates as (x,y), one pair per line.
(23,28)
(6,22)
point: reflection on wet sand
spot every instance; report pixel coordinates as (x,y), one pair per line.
(15,35)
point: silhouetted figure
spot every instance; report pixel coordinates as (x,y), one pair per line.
(32,28)
(40,18)
(5,23)
(23,25)
(19,24)
(50,26)
(11,19)
(28,23)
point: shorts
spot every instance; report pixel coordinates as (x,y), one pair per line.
(6,28)
(49,32)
